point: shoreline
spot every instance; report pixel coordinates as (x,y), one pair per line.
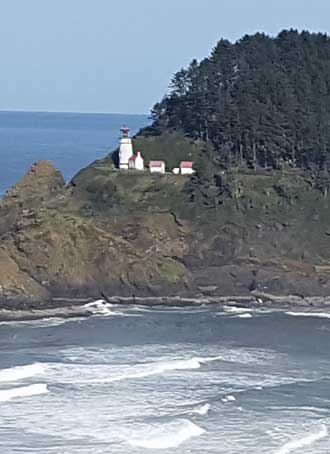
(71,308)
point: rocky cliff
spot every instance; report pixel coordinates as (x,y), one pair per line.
(216,233)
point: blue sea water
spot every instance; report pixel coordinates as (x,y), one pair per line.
(70,140)
(130,380)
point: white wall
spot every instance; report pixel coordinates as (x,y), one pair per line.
(125,151)
(139,162)
(158,169)
(187,171)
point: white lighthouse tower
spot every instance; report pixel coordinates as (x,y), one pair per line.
(125,149)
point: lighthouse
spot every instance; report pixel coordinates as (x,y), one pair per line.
(125,148)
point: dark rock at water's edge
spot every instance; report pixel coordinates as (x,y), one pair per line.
(71,309)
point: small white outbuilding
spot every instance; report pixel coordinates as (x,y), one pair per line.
(186,168)
(157,166)
(136,162)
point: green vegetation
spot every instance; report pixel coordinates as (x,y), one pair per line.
(100,188)
(173,147)
(260,102)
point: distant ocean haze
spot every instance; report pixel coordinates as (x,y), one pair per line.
(69,140)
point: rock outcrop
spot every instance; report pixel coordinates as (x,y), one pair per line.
(112,233)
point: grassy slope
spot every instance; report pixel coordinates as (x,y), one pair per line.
(277,214)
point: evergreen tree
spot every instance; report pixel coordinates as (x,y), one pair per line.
(261,101)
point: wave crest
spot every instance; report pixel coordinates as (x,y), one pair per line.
(309,314)
(154,368)
(236,310)
(166,436)
(201,410)
(305,441)
(21,372)
(149,369)
(100,307)
(23,391)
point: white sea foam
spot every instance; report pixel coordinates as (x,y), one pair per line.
(244,316)
(303,408)
(307,440)
(146,370)
(126,371)
(42,322)
(96,303)
(22,391)
(100,368)
(21,372)
(100,307)
(165,436)
(228,399)
(309,314)
(236,310)
(190,402)
(201,410)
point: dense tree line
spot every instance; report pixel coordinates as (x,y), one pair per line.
(261,101)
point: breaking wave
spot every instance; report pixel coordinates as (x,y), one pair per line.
(236,310)
(100,307)
(158,367)
(228,399)
(309,314)
(23,391)
(21,372)
(305,441)
(201,410)
(247,315)
(126,371)
(166,436)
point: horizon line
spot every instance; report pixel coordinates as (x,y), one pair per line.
(71,112)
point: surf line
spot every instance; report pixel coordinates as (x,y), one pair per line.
(23,391)
(305,441)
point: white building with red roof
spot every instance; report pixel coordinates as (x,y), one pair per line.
(157,166)
(186,168)
(136,162)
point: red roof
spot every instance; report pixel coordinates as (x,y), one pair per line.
(124,129)
(186,164)
(156,163)
(133,157)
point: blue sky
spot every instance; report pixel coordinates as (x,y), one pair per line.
(119,56)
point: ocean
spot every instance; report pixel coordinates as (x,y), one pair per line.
(131,379)
(70,140)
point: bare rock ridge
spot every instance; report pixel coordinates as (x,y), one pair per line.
(19,210)
(41,181)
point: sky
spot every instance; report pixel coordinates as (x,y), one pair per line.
(118,56)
